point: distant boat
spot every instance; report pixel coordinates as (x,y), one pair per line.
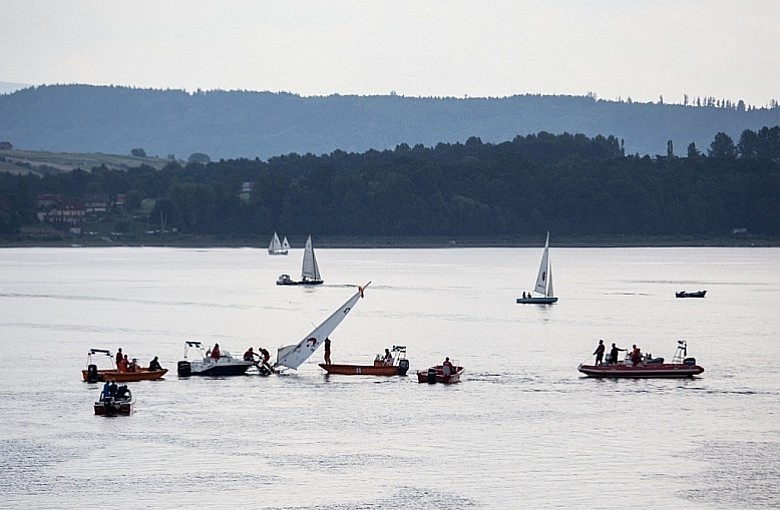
(310,271)
(544,281)
(681,367)
(277,247)
(683,293)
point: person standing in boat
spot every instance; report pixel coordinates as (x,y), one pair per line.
(446,367)
(265,357)
(613,354)
(112,388)
(327,351)
(636,355)
(214,352)
(599,352)
(106,388)
(388,357)
(119,357)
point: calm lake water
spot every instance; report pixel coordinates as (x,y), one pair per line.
(522,430)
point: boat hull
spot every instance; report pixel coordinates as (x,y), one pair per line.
(382,370)
(142,374)
(537,300)
(220,369)
(657,371)
(436,375)
(114,407)
(683,294)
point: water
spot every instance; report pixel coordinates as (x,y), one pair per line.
(523,429)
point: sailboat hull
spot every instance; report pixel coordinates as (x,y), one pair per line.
(537,300)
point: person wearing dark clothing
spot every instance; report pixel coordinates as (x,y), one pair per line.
(154,365)
(599,352)
(613,353)
(327,351)
(112,389)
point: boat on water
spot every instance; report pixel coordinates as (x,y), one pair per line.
(398,366)
(294,355)
(135,373)
(443,374)
(278,247)
(310,270)
(222,364)
(681,366)
(684,294)
(543,293)
(121,403)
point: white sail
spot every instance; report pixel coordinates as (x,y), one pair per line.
(542,279)
(310,269)
(550,292)
(292,356)
(285,244)
(275,245)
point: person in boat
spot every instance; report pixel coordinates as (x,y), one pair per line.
(133,365)
(265,357)
(250,354)
(599,352)
(636,355)
(121,365)
(112,389)
(327,351)
(387,359)
(446,366)
(214,352)
(121,392)
(105,391)
(523,294)
(613,354)
(119,356)
(154,365)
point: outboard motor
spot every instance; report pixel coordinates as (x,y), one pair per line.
(431,375)
(403,366)
(92,374)
(689,361)
(184,368)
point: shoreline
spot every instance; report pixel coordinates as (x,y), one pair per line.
(403,242)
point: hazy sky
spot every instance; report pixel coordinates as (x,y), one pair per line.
(614,48)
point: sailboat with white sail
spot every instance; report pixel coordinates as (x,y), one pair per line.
(543,290)
(293,356)
(277,247)
(310,271)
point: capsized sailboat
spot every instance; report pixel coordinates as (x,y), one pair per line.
(277,247)
(293,356)
(310,270)
(543,290)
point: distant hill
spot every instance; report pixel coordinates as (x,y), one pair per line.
(40,162)
(222,124)
(8,87)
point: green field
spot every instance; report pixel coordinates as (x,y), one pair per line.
(21,161)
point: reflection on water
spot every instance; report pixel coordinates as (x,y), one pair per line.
(523,429)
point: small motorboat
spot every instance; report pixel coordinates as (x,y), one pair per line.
(681,367)
(399,366)
(135,373)
(682,294)
(440,374)
(223,365)
(122,403)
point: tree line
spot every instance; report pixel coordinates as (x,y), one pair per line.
(570,184)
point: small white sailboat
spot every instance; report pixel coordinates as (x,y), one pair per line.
(543,290)
(310,271)
(277,247)
(293,356)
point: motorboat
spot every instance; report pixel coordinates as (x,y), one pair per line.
(223,365)
(121,403)
(683,294)
(398,366)
(134,373)
(681,366)
(443,374)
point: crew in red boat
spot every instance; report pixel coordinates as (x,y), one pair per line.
(327,351)
(119,356)
(154,365)
(387,359)
(122,365)
(636,355)
(613,354)
(214,352)
(599,352)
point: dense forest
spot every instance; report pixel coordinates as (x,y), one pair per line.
(570,184)
(243,124)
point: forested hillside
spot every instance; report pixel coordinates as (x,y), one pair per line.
(570,184)
(236,124)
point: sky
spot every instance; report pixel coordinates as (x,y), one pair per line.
(615,49)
